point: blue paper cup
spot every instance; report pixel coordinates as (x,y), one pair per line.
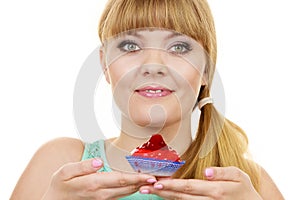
(154,166)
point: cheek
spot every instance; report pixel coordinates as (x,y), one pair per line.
(123,65)
(118,72)
(121,79)
(195,82)
(189,76)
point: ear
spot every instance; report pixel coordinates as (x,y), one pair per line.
(103,64)
(204,80)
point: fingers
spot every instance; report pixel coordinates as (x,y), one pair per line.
(71,170)
(221,182)
(188,189)
(110,185)
(117,193)
(182,186)
(117,179)
(225,174)
(120,179)
(169,194)
(82,178)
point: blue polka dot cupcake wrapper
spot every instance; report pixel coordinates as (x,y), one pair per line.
(154,166)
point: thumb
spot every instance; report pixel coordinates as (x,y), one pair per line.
(71,170)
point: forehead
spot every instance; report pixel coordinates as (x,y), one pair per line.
(154,34)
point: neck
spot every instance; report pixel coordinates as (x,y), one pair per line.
(177,135)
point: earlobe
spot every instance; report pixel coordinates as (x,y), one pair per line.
(103,64)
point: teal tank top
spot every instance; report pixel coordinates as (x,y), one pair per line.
(96,149)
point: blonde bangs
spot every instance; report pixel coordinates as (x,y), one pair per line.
(192,19)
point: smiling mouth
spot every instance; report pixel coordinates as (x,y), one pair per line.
(154,92)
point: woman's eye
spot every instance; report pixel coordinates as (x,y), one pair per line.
(128,46)
(180,48)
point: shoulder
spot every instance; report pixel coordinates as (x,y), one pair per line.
(268,188)
(46,161)
(68,149)
(57,152)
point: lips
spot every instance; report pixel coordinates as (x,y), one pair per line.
(154,91)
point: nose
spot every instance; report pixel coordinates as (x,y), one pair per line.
(153,70)
(153,63)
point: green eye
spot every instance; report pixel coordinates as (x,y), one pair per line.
(180,48)
(128,46)
(131,47)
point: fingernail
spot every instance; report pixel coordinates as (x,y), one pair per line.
(96,163)
(158,186)
(151,180)
(145,192)
(209,172)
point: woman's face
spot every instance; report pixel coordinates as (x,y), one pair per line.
(155,75)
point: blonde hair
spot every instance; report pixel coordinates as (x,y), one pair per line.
(192,18)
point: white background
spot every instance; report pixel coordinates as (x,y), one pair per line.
(44,43)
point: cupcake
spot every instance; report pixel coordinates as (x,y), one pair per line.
(155,157)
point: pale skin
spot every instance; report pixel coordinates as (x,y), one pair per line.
(57,172)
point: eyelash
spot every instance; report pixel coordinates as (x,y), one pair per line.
(123,46)
(187,48)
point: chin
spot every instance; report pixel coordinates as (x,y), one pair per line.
(153,114)
(145,121)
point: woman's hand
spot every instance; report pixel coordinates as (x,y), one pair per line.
(82,181)
(226,183)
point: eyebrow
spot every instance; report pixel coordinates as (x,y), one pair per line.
(134,33)
(173,34)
